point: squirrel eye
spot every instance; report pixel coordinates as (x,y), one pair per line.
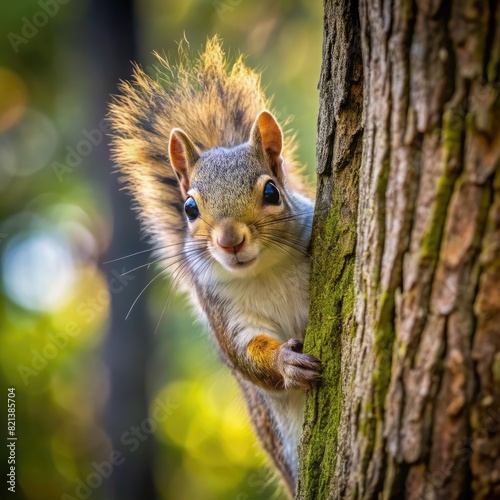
(191,209)
(271,194)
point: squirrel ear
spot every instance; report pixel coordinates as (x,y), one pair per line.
(183,155)
(267,137)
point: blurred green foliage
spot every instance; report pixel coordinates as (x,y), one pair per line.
(55,225)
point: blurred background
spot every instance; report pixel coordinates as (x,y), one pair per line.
(109,407)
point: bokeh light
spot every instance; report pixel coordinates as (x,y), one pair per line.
(28,146)
(38,271)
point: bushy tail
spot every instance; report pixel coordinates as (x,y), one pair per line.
(213,102)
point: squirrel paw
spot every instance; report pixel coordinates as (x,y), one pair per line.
(299,370)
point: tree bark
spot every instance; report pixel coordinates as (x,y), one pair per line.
(405,286)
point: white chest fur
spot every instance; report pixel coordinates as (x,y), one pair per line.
(274,303)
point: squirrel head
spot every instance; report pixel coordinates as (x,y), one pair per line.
(236,199)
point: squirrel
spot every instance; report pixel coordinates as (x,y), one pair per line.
(217,189)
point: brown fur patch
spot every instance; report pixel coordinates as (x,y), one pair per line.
(262,353)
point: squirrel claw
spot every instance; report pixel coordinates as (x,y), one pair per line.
(295,345)
(299,370)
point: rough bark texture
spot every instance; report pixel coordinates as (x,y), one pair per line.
(405,292)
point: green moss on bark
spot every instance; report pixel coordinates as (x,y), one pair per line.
(330,321)
(332,294)
(452,135)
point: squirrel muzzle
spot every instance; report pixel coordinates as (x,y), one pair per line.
(233,245)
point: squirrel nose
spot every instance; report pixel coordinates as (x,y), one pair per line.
(231,244)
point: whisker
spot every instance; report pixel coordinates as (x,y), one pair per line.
(281,248)
(142,291)
(162,313)
(183,252)
(203,266)
(297,248)
(171,288)
(175,277)
(285,238)
(166,268)
(153,249)
(302,224)
(286,235)
(275,240)
(200,260)
(206,222)
(185,267)
(201,269)
(272,218)
(278,221)
(127,256)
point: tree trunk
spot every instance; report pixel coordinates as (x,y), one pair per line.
(111,44)
(405,287)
